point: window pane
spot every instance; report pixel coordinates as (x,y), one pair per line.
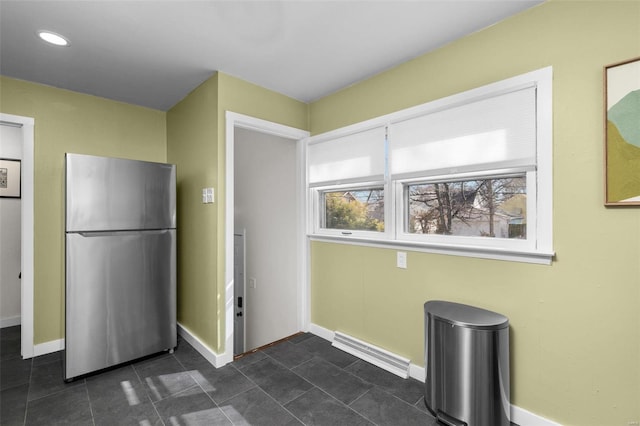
(494,207)
(359,209)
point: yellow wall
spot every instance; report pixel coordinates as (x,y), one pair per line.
(191,135)
(575,325)
(242,97)
(71,122)
(191,144)
(196,143)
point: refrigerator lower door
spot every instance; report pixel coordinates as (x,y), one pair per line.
(120,298)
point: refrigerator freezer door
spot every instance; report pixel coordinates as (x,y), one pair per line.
(120,298)
(112,194)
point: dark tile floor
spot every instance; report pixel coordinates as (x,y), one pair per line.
(302,381)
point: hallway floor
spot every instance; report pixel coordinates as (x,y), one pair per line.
(301,381)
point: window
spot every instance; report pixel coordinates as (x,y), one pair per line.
(347,177)
(356,209)
(465,175)
(490,208)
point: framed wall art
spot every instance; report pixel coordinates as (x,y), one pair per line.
(622,133)
(9,178)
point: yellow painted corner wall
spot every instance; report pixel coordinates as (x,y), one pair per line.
(192,145)
(575,325)
(246,98)
(71,122)
(196,143)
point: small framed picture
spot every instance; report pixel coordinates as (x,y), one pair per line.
(622,133)
(9,178)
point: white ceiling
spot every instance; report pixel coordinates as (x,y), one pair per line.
(154,52)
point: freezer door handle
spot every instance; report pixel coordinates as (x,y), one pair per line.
(92,234)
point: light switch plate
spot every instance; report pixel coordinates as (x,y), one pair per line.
(401,259)
(207,196)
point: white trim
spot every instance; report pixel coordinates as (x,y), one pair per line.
(234,120)
(325,333)
(318,208)
(468,243)
(209,354)
(519,415)
(522,417)
(48,347)
(417,372)
(9,321)
(544,190)
(27,231)
(264,126)
(303,253)
(535,257)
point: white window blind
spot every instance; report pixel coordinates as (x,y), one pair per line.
(358,157)
(493,133)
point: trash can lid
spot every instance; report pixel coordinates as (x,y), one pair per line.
(465,315)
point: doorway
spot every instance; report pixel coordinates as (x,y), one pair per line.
(266,204)
(279,309)
(10,206)
(25,126)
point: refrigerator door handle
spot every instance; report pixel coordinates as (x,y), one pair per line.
(90,234)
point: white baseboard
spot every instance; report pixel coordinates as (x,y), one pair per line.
(9,321)
(417,372)
(325,333)
(520,416)
(48,347)
(215,359)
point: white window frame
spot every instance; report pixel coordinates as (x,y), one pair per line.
(537,248)
(319,212)
(465,241)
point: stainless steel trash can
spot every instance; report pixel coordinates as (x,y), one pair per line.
(467,365)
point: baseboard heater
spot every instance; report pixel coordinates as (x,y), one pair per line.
(376,356)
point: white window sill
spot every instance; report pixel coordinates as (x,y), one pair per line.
(512,255)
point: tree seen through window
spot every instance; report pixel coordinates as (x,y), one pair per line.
(494,207)
(361,209)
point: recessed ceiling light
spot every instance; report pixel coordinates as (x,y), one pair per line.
(53,38)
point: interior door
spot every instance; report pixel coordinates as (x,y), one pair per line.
(240,301)
(266,208)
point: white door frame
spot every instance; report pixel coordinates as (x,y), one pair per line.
(26,232)
(234,120)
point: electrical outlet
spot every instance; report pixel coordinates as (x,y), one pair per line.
(401,259)
(252,283)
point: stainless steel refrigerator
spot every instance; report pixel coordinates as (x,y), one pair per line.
(120,261)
